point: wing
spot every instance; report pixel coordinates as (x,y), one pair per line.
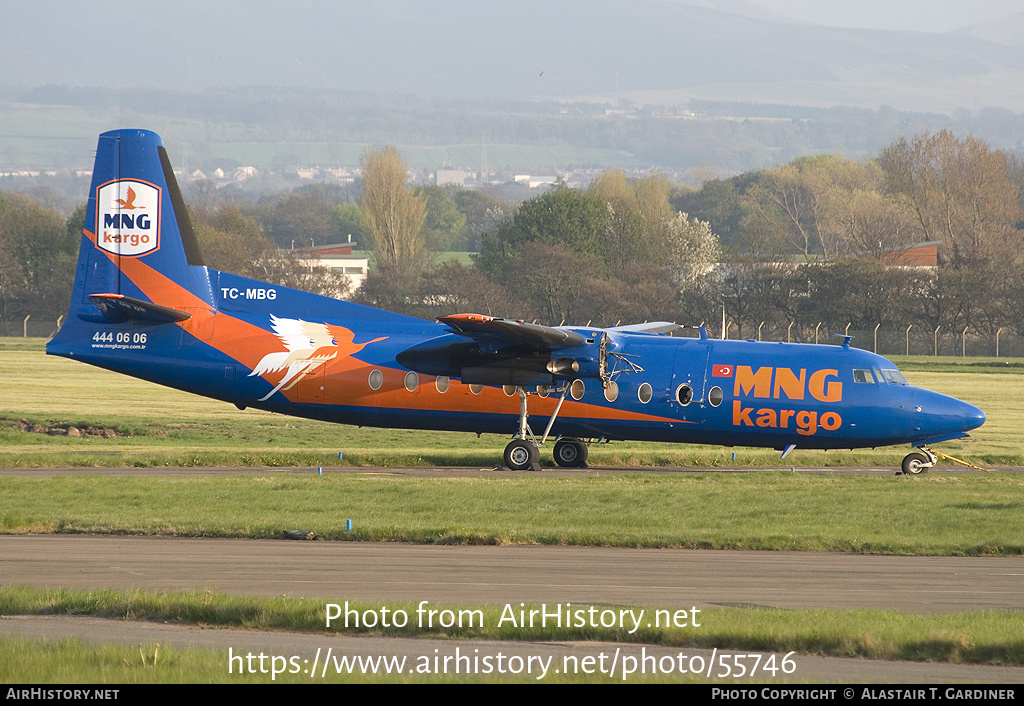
(493,334)
(648,327)
(489,351)
(482,349)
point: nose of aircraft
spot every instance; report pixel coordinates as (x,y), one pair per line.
(942,414)
(973,417)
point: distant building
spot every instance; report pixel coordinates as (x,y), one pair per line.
(338,257)
(450,176)
(534,181)
(243,173)
(919,255)
(341,175)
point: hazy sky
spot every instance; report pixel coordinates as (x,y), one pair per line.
(914,15)
(657,51)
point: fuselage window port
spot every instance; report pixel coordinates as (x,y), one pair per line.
(412,381)
(376,379)
(611,391)
(543,390)
(684,394)
(645,393)
(476,388)
(509,390)
(715,396)
(577,389)
(442,383)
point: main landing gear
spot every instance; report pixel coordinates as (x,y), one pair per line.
(523,452)
(571,453)
(522,455)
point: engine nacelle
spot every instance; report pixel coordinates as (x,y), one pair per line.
(564,368)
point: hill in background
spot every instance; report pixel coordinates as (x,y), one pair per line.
(660,51)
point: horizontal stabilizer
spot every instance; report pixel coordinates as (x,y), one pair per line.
(478,327)
(117,307)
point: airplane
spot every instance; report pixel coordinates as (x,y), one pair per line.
(145,305)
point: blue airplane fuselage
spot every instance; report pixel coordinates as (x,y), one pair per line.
(145,305)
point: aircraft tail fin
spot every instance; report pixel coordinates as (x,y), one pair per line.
(137,237)
(142,291)
(139,262)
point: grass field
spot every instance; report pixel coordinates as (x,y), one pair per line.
(929,515)
(990,637)
(123,421)
(74,662)
(155,426)
(63,137)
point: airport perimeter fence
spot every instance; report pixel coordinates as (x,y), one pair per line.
(886,341)
(890,341)
(948,343)
(34,328)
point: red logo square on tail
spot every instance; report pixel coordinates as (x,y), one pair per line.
(722,371)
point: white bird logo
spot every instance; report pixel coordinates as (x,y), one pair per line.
(309,346)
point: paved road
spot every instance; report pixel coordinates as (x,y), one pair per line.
(806,668)
(656,578)
(513,574)
(382,573)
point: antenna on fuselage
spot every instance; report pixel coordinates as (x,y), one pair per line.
(846,339)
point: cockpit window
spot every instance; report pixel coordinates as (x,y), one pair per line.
(862,376)
(894,376)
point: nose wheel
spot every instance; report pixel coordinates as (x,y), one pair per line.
(917,462)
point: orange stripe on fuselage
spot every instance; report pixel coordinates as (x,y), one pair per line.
(238,339)
(347,383)
(347,378)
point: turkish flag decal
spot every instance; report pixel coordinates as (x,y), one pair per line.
(722,371)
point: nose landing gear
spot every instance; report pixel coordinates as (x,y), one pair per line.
(917,462)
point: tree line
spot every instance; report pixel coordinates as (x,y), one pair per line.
(816,243)
(821,239)
(812,243)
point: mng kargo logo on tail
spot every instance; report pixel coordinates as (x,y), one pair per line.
(128,217)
